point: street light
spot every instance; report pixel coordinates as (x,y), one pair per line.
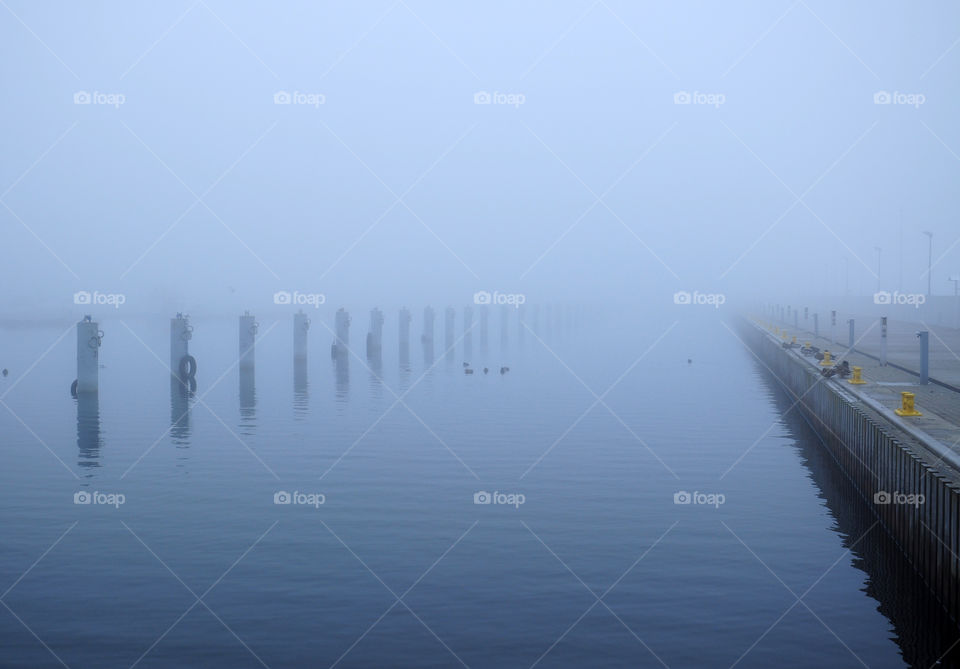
(929,260)
(879,287)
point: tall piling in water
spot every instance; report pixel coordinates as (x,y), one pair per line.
(301,324)
(181,363)
(248,337)
(427,337)
(341,328)
(504,326)
(449,323)
(375,334)
(521,322)
(467,332)
(484,326)
(404,335)
(88,355)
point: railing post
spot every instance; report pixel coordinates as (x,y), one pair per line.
(924,357)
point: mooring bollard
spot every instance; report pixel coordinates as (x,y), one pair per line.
(883,341)
(89,338)
(248,336)
(907,407)
(793,341)
(924,337)
(826,362)
(300,326)
(857,379)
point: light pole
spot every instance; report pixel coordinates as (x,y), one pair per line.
(878,267)
(929,259)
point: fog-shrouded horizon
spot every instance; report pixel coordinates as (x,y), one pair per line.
(204,155)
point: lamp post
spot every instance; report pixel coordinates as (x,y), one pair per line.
(929,259)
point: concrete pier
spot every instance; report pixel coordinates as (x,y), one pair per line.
(248,336)
(88,355)
(301,325)
(888,458)
(375,334)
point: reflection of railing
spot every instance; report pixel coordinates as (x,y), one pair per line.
(882,468)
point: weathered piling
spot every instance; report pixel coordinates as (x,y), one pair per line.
(427,324)
(248,336)
(484,326)
(504,325)
(403,335)
(182,365)
(917,504)
(449,323)
(375,334)
(88,355)
(467,332)
(301,325)
(341,327)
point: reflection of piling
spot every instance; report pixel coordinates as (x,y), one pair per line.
(179,411)
(181,332)
(375,335)
(504,325)
(484,326)
(449,323)
(300,387)
(248,393)
(88,355)
(467,332)
(248,336)
(341,328)
(88,429)
(404,336)
(536,318)
(301,324)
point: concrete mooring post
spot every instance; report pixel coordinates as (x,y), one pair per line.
(182,364)
(88,355)
(375,335)
(300,326)
(850,339)
(883,341)
(248,336)
(449,323)
(341,329)
(924,337)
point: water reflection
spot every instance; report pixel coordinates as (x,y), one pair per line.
(921,627)
(88,429)
(180,412)
(341,365)
(248,399)
(301,387)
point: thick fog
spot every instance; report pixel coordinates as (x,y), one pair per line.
(205,155)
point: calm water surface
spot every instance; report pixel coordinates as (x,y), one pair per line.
(399,567)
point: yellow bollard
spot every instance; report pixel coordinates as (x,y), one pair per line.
(794,340)
(857,379)
(906,406)
(826,362)
(776,329)
(784,336)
